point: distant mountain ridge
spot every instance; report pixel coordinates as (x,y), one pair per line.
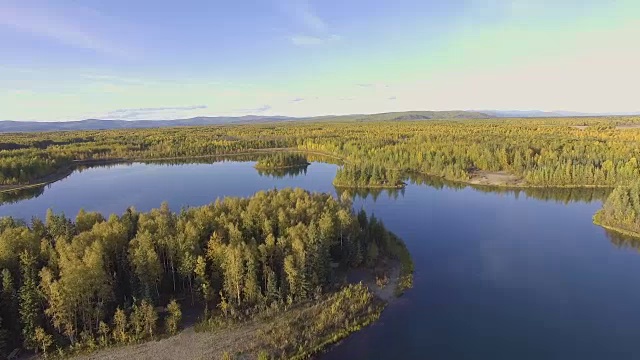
(100,124)
(539,113)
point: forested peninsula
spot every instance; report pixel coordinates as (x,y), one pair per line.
(582,152)
(621,211)
(277,258)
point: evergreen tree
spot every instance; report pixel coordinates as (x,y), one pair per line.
(30,301)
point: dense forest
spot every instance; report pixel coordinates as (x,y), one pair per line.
(80,285)
(541,152)
(367,176)
(281,160)
(621,211)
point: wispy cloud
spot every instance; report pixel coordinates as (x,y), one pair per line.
(312,29)
(155,113)
(259,110)
(119,111)
(303,13)
(20,92)
(372,85)
(114,79)
(306,40)
(69,26)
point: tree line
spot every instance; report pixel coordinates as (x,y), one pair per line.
(621,210)
(367,176)
(93,281)
(280,160)
(543,152)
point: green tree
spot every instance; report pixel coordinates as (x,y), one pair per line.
(120,326)
(172,321)
(43,340)
(30,301)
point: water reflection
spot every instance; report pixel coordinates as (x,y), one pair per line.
(374,194)
(562,195)
(283,172)
(622,241)
(14,196)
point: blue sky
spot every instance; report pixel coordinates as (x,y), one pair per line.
(70,59)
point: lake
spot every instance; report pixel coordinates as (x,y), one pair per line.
(499,275)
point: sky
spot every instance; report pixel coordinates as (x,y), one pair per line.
(116,59)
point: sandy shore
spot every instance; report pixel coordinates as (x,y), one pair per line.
(498,178)
(189,344)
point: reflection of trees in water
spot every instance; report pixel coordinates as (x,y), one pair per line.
(563,195)
(374,193)
(283,172)
(622,241)
(246,157)
(14,196)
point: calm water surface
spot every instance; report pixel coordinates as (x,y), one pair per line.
(498,276)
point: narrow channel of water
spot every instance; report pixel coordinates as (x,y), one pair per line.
(499,275)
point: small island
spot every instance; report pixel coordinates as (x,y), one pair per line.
(282,160)
(367,176)
(280,274)
(283,172)
(621,211)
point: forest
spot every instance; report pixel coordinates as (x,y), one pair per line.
(621,211)
(554,152)
(72,286)
(367,176)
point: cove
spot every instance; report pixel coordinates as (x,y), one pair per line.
(499,275)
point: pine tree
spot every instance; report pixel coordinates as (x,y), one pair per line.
(30,301)
(9,308)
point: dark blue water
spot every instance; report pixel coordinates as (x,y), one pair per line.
(498,276)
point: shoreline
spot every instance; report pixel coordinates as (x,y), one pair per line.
(242,338)
(281,167)
(487,179)
(514,186)
(66,171)
(347,187)
(618,230)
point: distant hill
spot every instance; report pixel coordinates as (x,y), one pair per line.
(98,124)
(410,116)
(539,113)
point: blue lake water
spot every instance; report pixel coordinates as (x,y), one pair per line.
(499,275)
